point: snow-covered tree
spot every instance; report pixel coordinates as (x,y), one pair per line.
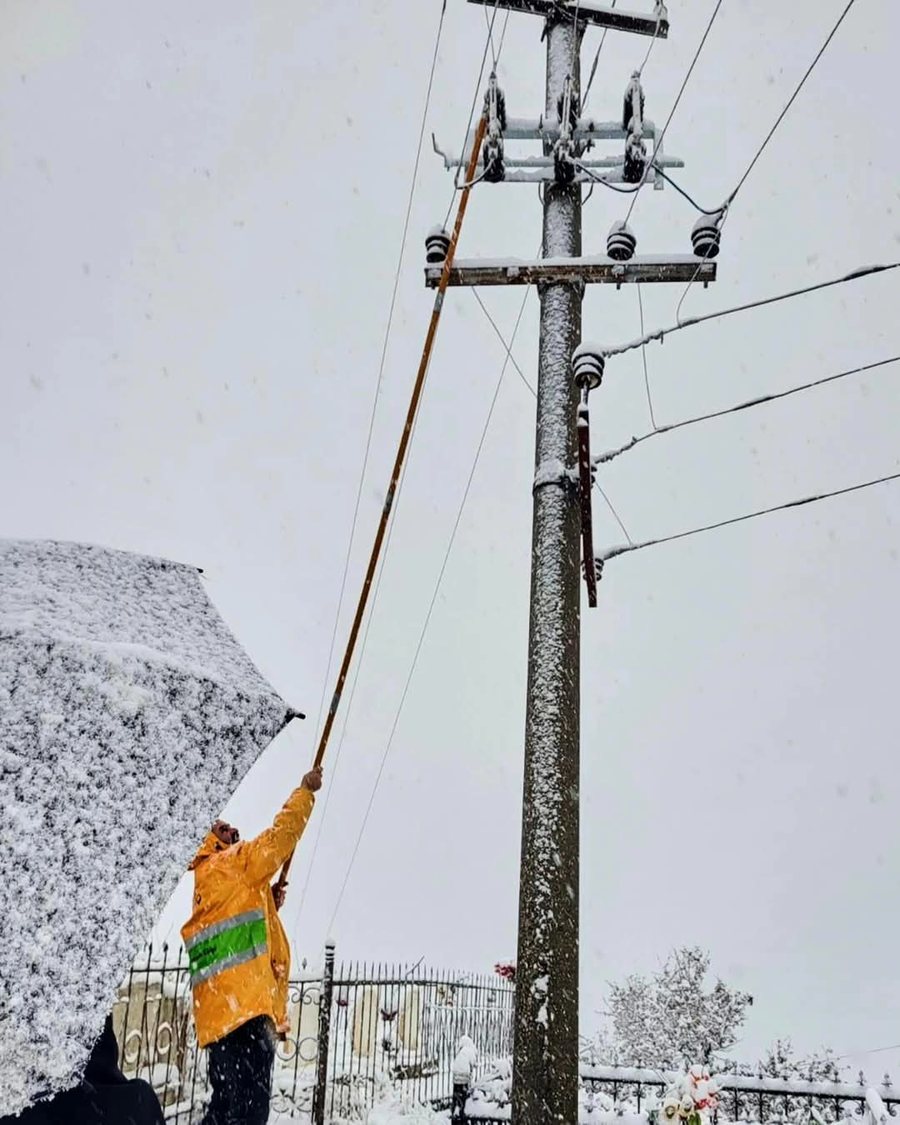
(781,1061)
(672,1018)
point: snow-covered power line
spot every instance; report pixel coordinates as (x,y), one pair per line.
(762,400)
(418,649)
(661,333)
(624,549)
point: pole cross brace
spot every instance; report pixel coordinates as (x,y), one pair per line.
(598,270)
(592,12)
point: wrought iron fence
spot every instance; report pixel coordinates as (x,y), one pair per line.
(612,1094)
(387,1028)
(741,1097)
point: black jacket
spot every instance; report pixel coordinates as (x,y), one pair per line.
(103,1097)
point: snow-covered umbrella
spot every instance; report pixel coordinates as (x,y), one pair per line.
(128,716)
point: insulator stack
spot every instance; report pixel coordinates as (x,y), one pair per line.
(633,102)
(565,150)
(633,123)
(707,235)
(492,151)
(587,367)
(620,242)
(437,246)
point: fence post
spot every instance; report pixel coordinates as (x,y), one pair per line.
(318,1114)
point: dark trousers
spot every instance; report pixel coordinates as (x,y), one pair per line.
(240,1073)
(460,1097)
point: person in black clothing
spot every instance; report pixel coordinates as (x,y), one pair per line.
(103,1097)
(240,1071)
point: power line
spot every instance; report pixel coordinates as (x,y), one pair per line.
(381,365)
(644,357)
(428,615)
(791,100)
(613,552)
(615,514)
(604,182)
(682,192)
(488,43)
(495,54)
(655,36)
(349,711)
(508,349)
(594,65)
(610,455)
(727,205)
(661,333)
(871,1051)
(687,77)
(502,339)
(575,39)
(397,477)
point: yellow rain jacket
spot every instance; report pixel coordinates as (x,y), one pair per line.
(239,954)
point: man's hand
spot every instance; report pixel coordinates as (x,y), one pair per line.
(313,780)
(278,893)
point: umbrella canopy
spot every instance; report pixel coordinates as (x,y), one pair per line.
(128,716)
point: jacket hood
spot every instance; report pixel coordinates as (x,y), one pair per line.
(210,846)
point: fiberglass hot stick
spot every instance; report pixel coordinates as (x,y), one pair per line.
(418,387)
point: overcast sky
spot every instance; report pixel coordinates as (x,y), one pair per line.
(202,209)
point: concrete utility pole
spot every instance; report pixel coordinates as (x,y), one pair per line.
(545,1080)
(545,1067)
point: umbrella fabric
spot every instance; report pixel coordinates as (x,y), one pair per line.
(128,716)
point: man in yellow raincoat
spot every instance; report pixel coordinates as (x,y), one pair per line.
(240,957)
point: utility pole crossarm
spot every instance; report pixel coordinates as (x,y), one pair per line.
(592,12)
(598,270)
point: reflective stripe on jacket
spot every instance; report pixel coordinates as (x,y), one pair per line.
(237,948)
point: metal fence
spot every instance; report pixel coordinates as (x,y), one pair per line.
(612,1094)
(743,1097)
(385,1029)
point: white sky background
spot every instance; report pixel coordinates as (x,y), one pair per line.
(202,211)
